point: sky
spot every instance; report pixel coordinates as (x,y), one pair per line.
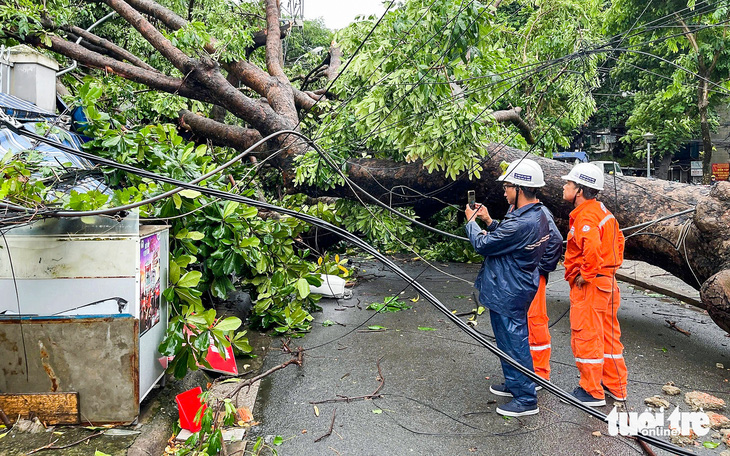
(338,13)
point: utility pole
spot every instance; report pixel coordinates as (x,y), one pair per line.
(648,137)
(291,11)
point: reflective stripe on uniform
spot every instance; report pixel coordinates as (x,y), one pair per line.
(605,219)
(539,347)
(589,361)
(608,355)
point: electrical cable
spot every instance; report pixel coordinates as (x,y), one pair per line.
(17,300)
(397,270)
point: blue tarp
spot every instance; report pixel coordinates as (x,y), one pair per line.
(570,156)
(23,110)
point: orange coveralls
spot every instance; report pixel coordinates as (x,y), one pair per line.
(539,332)
(595,250)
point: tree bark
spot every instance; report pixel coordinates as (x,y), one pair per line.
(703,104)
(693,247)
(664,166)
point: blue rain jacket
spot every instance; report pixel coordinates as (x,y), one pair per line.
(512,249)
(554,250)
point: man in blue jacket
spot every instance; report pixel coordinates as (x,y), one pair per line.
(509,277)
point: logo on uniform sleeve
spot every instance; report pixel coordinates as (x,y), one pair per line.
(523,177)
(572,230)
(586,228)
(590,179)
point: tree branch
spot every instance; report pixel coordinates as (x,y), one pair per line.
(513,116)
(248,74)
(259,38)
(179,59)
(690,36)
(114,50)
(220,134)
(273,40)
(152,79)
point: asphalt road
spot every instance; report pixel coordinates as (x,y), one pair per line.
(434,394)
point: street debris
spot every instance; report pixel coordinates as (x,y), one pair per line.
(718,421)
(673,325)
(725,438)
(329,432)
(245,414)
(33,426)
(670,390)
(682,440)
(51,446)
(720,365)
(375,394)
(699,400)
(596,433)
(233,434)
(656,402)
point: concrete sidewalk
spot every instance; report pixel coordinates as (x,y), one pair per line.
(435,379)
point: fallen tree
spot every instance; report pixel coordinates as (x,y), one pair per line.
(694,247)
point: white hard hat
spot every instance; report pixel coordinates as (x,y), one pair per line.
(586,174)
(523,172)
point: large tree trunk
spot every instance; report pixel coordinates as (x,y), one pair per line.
(693,247)
(664,167)
(703,104)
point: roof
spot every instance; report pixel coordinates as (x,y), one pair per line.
(77,172)
(23,110)
(580,155)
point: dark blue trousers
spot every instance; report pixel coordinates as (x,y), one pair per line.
(511,335)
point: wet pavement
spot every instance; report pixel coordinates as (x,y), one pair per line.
(431,378)
(435,378)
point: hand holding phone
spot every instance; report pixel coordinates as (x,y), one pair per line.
(471,198)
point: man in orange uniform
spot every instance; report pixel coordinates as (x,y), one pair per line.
(594,252)
(537,318)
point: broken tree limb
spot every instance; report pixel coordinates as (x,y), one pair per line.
(5,420)
(329,432)
(298,359)
(51,446)
(673,325)
(375,394)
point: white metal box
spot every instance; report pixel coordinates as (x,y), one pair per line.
(76,268)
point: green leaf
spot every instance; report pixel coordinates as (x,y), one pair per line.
(377,328)
(710,445)
(180,364)
(278,440)
(426,328)
(229,209)
(190,279)
(174,274)
(243,345)
(377,411)
(177,200)
(228,324)
(195,235)
(328,323)
(303,288)
(188,193)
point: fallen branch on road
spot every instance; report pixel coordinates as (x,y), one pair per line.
(298,359)
(673,325)
(375,394)
(61,447)
(332,426)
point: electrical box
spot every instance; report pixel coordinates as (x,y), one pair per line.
(97,273)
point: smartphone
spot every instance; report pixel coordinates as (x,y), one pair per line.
(471,199)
